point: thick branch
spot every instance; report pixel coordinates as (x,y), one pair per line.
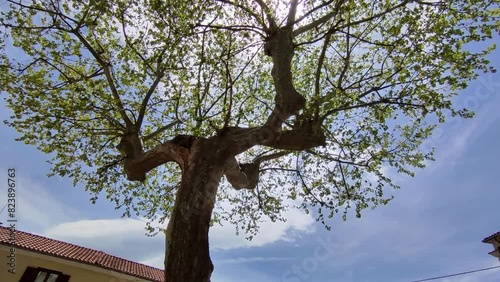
(292,12)
(175,150)
(235,175)
(288,101)
(296,140)
(272,23)
(318,72)
(246,175)
(306,137)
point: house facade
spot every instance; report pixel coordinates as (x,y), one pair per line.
(26,257)
(495,241)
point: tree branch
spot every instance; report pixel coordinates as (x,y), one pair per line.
(159,75)
(246,175)
(247,10)
(235,175)
(265,158)
(292,12)
(306,14)
(160,130)
(308,136)
(107,73)
(319,21)
(389,101)
(288,101)
(175,150)
(270,18)
(381,14)
(318,72)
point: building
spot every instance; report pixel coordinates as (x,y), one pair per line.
(495,241)
(26,257)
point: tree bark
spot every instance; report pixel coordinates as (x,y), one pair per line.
(187,256)
(288,101)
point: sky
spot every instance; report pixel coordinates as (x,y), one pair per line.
(433,227)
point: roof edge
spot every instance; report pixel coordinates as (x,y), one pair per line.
(485,240)
(98,264)
(76,260)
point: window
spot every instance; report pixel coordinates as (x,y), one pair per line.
(32,274)
(46,276)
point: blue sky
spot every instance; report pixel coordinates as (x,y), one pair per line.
(433,227)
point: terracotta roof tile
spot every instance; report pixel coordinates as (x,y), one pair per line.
(65,250)
(491,237)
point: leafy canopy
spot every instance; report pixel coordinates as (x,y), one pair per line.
(377,75)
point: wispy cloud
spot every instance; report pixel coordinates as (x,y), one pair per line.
(36,206)
(453,138)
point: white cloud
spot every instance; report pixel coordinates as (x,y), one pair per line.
(221,237)
(110,235)
(224,237)
(115,228)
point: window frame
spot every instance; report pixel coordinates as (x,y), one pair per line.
(31,273)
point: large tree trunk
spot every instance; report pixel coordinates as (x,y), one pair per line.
(187,257)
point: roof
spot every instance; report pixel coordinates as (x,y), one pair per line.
(80,254)
(485,240)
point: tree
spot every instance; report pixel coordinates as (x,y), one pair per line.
(309,103)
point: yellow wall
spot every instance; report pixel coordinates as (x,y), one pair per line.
(79,272)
